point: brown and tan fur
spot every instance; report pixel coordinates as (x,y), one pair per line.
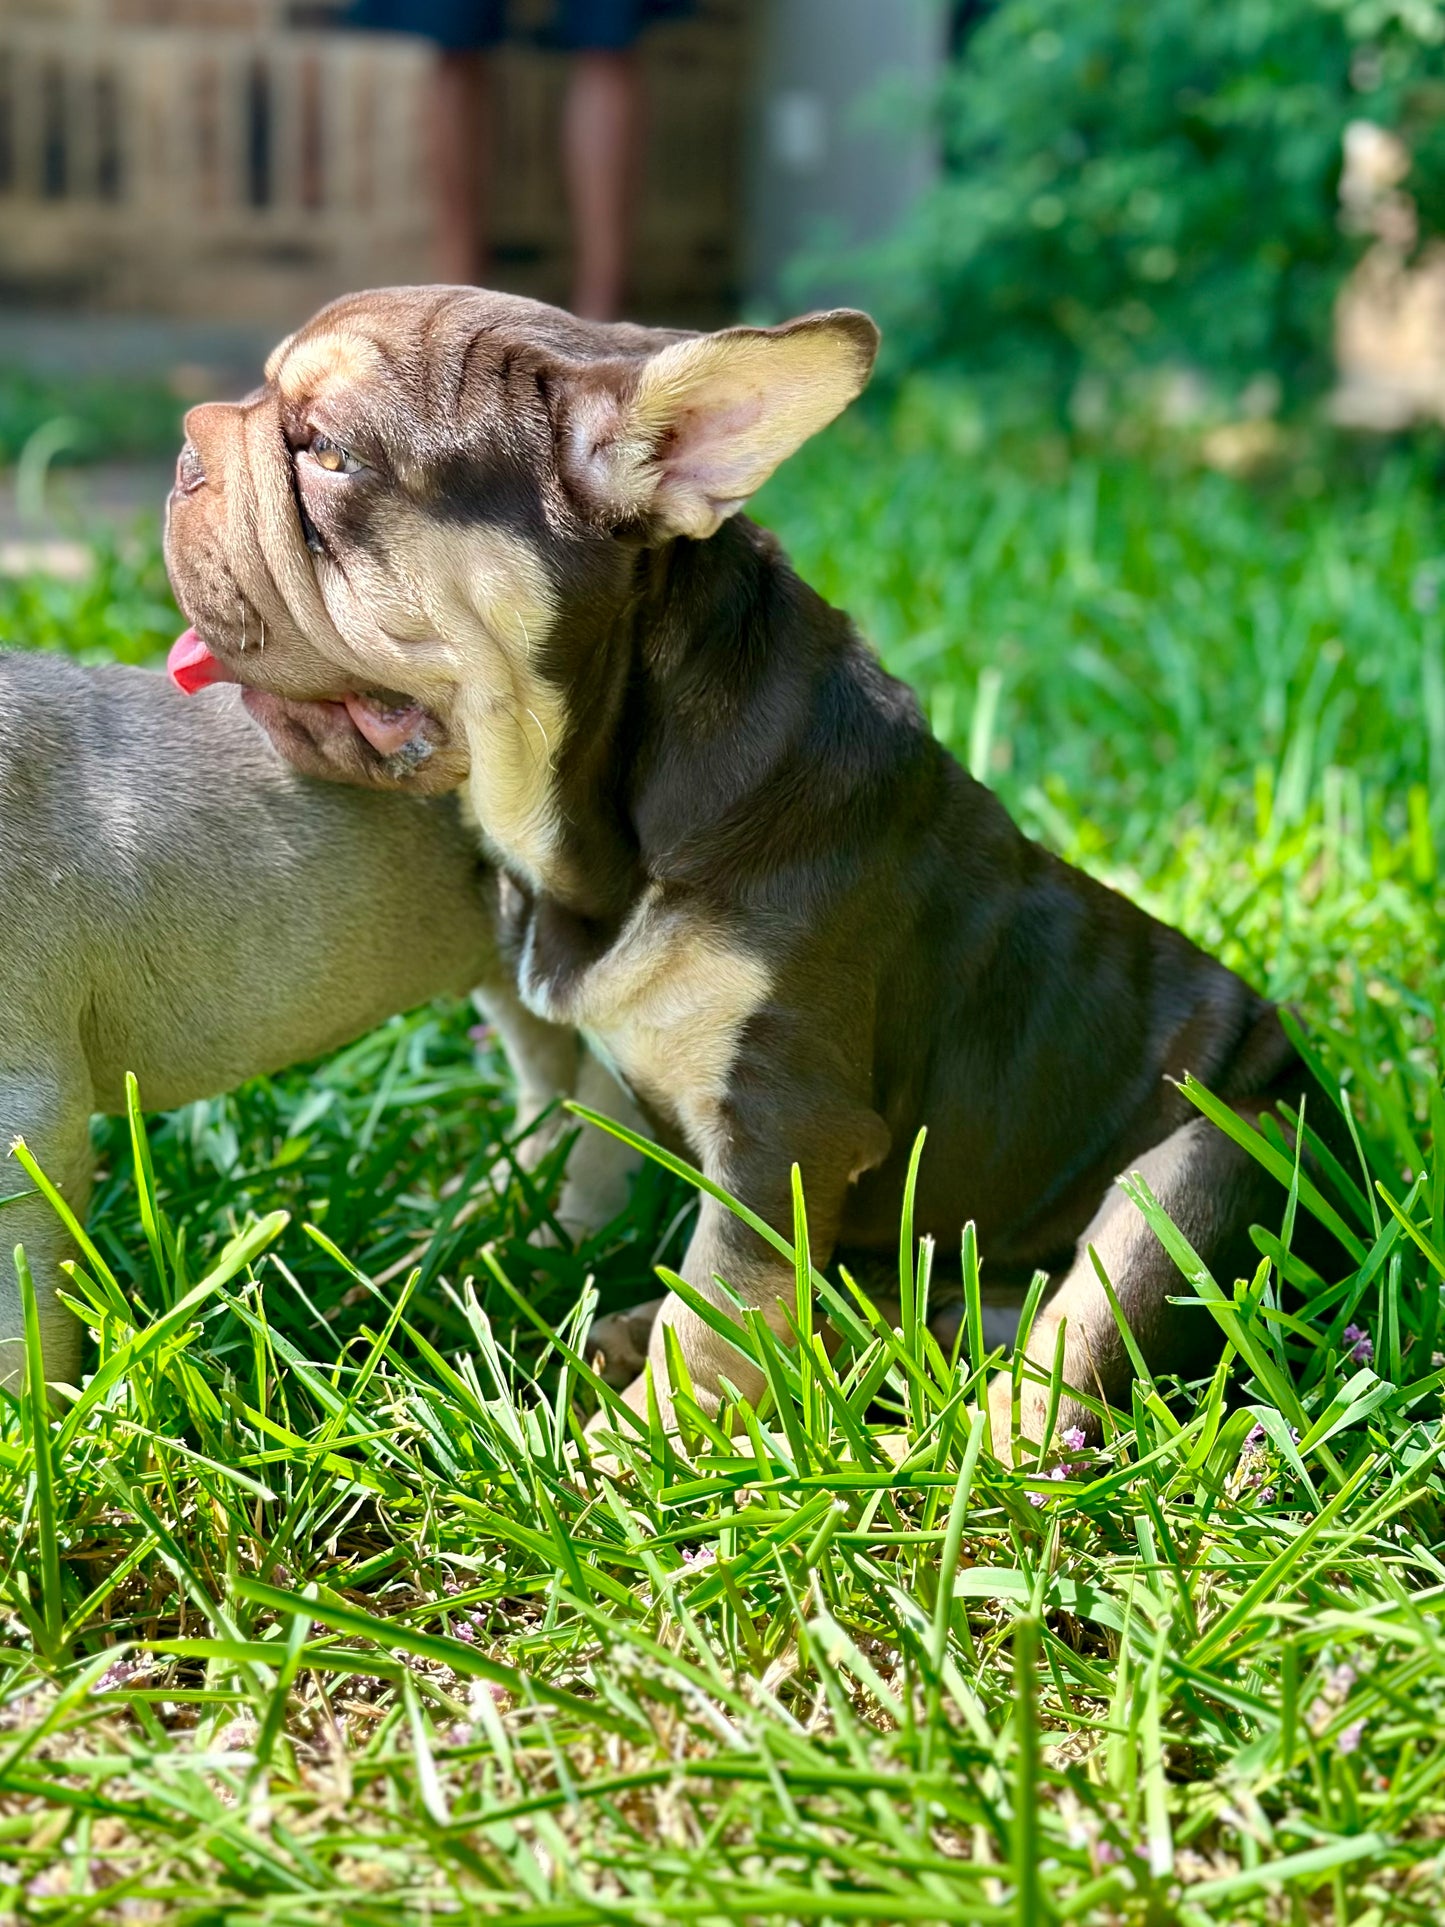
(730,852)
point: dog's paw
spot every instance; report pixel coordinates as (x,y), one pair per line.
(617,1343)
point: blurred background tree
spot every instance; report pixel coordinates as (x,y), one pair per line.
(1155,181)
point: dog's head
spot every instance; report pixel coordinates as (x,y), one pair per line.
(438,491)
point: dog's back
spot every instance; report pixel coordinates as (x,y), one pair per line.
(176,895)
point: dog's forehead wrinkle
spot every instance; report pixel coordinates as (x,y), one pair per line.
(442,367)
(277,356)
(317,363)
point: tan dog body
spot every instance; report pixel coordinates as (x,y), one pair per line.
(180,903)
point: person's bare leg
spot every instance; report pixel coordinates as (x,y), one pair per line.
(461,164)
(601,129)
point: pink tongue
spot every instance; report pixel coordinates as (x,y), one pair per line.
(387,730)
(191,666)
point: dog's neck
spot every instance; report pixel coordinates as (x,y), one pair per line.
(697,703)
(731,647)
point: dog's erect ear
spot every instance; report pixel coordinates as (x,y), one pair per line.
(708,419)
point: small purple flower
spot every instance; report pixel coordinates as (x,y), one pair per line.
(461,1630)
(1256,1435)
(1342,1679)
(119,1673)
(701,1556)
(1358,1343)
(1349,1740)
(1106,1854)
(1073,1439)
(1058,1473)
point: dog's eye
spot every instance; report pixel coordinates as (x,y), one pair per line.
(332,456)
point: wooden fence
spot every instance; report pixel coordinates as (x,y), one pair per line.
(251,170)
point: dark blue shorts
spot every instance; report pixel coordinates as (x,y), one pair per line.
(579,26)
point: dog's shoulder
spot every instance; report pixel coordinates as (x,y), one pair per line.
(45,702)
(39,697)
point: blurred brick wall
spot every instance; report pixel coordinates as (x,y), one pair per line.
(250,16)
(210,158)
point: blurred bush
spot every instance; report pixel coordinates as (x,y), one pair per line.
(1155,180)
(116,608)
(108,418)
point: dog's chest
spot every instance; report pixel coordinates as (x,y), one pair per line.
(666,1003)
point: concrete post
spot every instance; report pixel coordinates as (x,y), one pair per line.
(836,152)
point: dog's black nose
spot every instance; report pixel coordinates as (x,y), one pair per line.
(189,473)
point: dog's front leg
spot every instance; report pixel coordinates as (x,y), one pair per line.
(721,1248)
(834,1140)
(600,1168)
(550,1061)
(50,1108)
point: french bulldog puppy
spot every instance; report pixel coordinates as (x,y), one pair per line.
(179,902)
(728,847)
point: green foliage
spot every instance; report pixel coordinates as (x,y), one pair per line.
(352,1630)
(316,1612)
(1156,179)
(119,611)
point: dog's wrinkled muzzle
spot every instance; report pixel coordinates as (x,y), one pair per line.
(238,561)
(242,573)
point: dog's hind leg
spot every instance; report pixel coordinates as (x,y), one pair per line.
(600,1168)
(550,1061)
(50,1109)
(1213,1191)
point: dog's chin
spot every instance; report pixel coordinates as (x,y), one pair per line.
(322,739)
(376,741)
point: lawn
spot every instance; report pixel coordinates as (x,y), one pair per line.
(312,1612)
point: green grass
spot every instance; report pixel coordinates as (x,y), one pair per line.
(315,1612)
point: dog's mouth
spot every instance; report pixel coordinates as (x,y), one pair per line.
(391,727)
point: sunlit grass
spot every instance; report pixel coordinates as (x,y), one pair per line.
(315,1611)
